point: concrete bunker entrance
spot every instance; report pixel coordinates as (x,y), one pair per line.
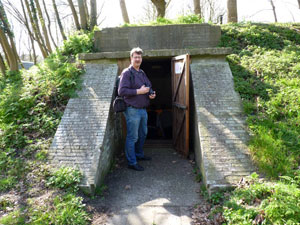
(163,124)
(90,133)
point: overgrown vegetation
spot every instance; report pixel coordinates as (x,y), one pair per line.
(260,202)
(31,105)
(265,66)
(266,71)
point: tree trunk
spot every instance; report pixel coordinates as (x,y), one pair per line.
(160,6)
(11,58)
(299,3)
(59,21)
(83,19)
(8,48)
(232,11)
(2,65)
(8,31)
(31,35)
(93,14)
(74,13)
(35,31)
(33,50)
(274,11)
(86,12)
(49,24)
(197,9)
(124,11)
(42,21)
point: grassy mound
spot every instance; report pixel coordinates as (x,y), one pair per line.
(32,103)
(266,69)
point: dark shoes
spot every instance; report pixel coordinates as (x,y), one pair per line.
(136,167)
(145,158)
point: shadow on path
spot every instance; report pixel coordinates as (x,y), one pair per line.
(164,193)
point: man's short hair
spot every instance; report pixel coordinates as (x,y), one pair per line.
(137,50)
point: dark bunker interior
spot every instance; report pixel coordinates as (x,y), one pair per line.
(160,109)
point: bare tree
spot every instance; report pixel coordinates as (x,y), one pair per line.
(34,24)
(124,11)
(74,13)
(93,7)
(49,23)
(86,10)
(274,11)
(8,44)
(149,12)
(161,6)
(82,14)
(2,65)
(61,29)
(9,53)
(31,35)
(232,11)
(42,21)
(197,8)
(299,3)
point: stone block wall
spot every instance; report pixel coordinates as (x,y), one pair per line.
(180,36)
(220,129)
(89,131)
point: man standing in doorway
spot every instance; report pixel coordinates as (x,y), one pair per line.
(136,90)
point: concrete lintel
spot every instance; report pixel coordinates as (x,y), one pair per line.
(157,53)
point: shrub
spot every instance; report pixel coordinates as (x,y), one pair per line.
(65,178)
(78,42)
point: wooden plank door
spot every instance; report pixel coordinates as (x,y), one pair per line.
(180,103)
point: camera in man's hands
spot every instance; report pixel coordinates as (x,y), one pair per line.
(151,92)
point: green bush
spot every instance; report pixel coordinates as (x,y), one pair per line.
(78,42)
(65,178)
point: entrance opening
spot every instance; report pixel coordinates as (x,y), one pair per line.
(160,110)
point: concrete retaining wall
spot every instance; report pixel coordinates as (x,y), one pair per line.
(89,132)
(220,128)
(183,36)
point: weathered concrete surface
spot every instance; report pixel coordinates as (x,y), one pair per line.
(180,36)
(162,194)
(220,127)
(156,53)
(89,133)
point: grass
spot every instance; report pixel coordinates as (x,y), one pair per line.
(265,66)
(32,103)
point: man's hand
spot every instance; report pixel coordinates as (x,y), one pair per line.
(142,90)
(153,95)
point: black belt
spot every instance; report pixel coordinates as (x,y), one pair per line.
(137,107)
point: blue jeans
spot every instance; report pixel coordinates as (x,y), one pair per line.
(136,121)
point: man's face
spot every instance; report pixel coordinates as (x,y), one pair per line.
(136,59)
